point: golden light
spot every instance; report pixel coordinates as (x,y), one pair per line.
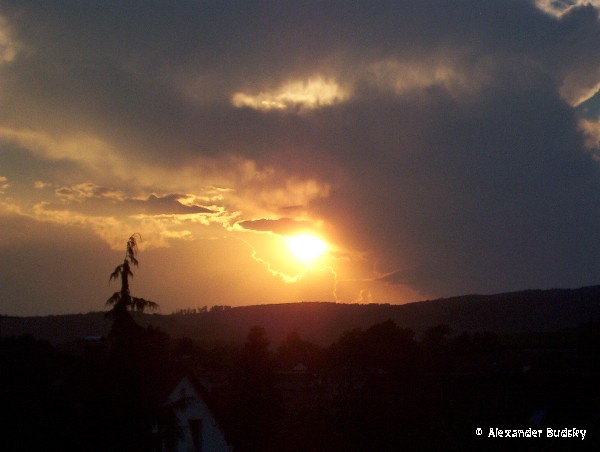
(306,247)
(310,94)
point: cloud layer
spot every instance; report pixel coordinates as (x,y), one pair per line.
(441,148)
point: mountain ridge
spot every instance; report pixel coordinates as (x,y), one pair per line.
(530,310)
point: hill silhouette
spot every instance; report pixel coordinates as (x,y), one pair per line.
(322,323)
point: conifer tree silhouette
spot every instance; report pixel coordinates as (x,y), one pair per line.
(122,302)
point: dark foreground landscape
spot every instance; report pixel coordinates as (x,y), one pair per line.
(310,377)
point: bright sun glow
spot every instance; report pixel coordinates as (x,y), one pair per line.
(306,247)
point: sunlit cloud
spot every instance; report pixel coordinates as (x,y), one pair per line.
(365,296)
(9,46)
(110,228)
(266,192)
(110,213)
(285,277)
(8,208)
(285,226)
(204,219)
(332,274)
(79,147)
(401,77)
(295,95)
(579,86)
(87,190)
(580,72)
(558,8)
(116,200)
(173,227)
(242,185)
(3,184)
(40,185)
(166,204)
(208,200)
(178,235)
(223,183)
(107,227)
(591,131)
(296,191)
(311,283)
(224,188)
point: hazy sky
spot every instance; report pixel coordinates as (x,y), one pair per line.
(438,148)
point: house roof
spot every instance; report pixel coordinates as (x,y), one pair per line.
(207,397)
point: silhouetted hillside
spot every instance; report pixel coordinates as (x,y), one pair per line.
(525,311)
(57,328)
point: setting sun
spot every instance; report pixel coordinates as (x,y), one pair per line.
(306,247)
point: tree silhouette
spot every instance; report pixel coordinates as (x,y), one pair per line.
(255,404)
(122,302)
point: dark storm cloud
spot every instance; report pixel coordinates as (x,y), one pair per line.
(484,197)
(124,68)
(455,161)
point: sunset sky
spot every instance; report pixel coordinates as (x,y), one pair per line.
(424,148)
